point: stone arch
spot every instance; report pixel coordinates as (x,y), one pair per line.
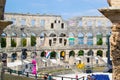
(100,53)
(72,53)
(43,54)
(33,54)
(80,38)
(52,39)
(90,52)
(99,37)
(52,35)
(13,39)
(62,35)
(62,55)
(33,39)
(23,39)
(81,53)
(71,39)
(53,55)
(23,21)
(89,38)
(89,23)
(14,56)
(24,54)
(42,38)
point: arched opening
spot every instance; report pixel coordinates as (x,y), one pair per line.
(90,53)
(14,56)
(43,54)
(62,38)
(62,55)
(53,39)
(71,39)
(33,54)
(3,40)
(33,39)
(24,54)
(71,53)
(80,39)
(89,39)
(99,38)
(81,53)
(42,38)
(13,40)
(100,53)
(53,55)
(23,39)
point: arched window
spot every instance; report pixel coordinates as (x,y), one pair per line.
(80,38)
(89,39)
(71,39)
(100,53)
(71,53)
(81,53)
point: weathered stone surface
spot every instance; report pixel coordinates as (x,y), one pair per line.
(113,14)
(114,3)
(2,6)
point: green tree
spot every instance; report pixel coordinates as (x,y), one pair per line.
(81,53)
(99,42)
(72,53)
(100,53)
(33,40)
(13,43)
(24,42)
(53,54)
(3,42)
(43,54)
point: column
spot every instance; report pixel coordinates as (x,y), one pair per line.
(28,41)
(85,39)
(8,41)
(104,40)
(18,41)
(38,41)
(94,41)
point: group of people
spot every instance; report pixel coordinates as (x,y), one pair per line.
(91,77)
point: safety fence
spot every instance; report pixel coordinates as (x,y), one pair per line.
(18,75)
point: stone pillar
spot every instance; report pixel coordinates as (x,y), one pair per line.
(85,40)
(8,40)
(18,41)
(104,40)
(113,14)
(37,41)
(94,40)
(28,41)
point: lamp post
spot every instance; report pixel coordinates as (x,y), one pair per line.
(108,53)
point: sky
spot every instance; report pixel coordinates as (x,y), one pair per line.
(65,8)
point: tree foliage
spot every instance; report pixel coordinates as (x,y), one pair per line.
(72,53)
(3,42)
(13,43)
(100,53)
(81,53)
(24,42)
(33,40)
(99,42)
